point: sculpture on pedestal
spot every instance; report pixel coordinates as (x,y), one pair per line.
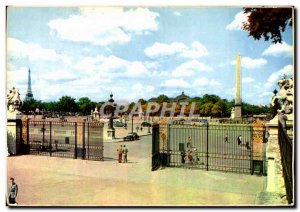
(284,102)
(13,100)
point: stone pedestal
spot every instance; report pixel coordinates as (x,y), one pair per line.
(272,127)
(14,132)
(110,133)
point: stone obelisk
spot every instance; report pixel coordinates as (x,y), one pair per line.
(238,101)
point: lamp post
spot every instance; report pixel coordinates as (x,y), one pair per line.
(132,123)
(149,124)
(111,130)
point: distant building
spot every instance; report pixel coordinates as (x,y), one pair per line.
(180,98)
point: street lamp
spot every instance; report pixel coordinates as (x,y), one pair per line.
(111,130)
(132,123)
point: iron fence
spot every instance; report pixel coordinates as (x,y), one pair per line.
(66,139)
(286,151)
(222,147)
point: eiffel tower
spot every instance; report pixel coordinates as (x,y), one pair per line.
(29,95)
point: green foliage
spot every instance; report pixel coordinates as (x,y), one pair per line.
(67,104)
(210,98)
(142,101)
(31,105)
(85,105)
(208,105)
(205,109)
(162,98)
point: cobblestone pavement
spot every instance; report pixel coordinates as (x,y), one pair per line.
(45,181)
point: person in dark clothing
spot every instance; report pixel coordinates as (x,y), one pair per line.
(226,138)
(12,191)
(239,140)
(182,157)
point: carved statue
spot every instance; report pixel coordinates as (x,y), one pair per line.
(284,102)
(13,99)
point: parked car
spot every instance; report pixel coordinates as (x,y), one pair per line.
(202,122)
(146,124)
(131,137)
(120,124)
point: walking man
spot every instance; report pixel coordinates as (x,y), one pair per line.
(226,137)
(239,140)
(182,157)
(12,192)
(141,128)
(137,128)
(120,151)
(189,145)
(125,151)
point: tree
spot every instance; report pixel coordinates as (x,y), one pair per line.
(216,110)
(205,109)
(221,107)
(31,105)
(210,98)
(162,98)
(67,104)
(142,101)
(267,22)
(51,106)
(85,105)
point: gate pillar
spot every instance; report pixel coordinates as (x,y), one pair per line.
(258,147)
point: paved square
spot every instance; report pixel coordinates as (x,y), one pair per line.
(45,181)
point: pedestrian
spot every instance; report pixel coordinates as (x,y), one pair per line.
(120,151)
(189,145)
(195,158)
(125,151)
(12,191)
(141,128)
(226,137)
(190,156)
(137,128)
(239,140)
(182,157)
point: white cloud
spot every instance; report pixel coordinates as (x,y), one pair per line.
(112,66)
(238,21)
(18,49)
(288,70)
(189,68)
(279,49)
(142,90)
(250,63)
(176,13)
(162,49)
(59,75)
(17,76)
(196,50)
(104,26)
(175,83)
(203,81)
(248,80)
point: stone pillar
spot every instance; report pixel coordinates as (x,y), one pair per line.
(14,132)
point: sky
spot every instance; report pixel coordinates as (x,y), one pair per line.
(138,52)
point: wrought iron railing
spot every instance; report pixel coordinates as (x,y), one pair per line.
(64,139)
(286,151)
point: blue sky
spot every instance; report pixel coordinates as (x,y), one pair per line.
(140,53)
